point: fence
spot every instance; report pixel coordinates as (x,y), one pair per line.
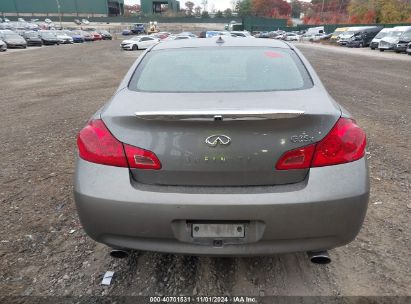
(122,19)
(330,28)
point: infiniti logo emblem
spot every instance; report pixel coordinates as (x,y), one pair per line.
(215,140)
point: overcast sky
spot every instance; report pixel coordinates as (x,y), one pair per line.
(219,4)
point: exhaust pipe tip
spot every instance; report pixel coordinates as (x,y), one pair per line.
(119,253)
(319,257)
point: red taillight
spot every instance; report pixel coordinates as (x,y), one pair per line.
(97,145)
(344,143)
(141,159)
(296,159)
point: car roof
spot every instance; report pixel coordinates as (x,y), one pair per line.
(228,41)
(403,28)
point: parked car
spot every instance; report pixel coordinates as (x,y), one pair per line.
(3,46)
(87,36)
(243,34)
(13,40)
(96,36)
(390,41)
(64,38)
(77,37)
(349,33)
(263,35)
(182,37)
(139,43)
(209,34)
(338,31)
(85,21)
(105,35)
(190,34)
(291,37)
(408,51)
(404,40)
(313,37)
(364,37)
(161,35)
(383,33)
(32,38)
(49,38)
(126,32)
(315,30)
(138,28)
(190,157)
(77,21)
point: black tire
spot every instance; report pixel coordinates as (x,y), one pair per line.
(135,47)
(381,50)
(409,54)
(397,52)
(372,49)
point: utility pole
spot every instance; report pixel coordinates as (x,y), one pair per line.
(205,3)
(322,10)
(59,12)
(15,6)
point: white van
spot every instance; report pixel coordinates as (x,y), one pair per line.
(314,30)
(390,41)
(383,33)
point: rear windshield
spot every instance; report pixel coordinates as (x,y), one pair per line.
(226,69)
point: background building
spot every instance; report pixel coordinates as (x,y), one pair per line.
(149,7)
(82,8)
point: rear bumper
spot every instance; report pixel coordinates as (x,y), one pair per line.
(401,47)
(16,45)
(323,212)
(34,43)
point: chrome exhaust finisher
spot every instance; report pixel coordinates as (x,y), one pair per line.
(218,114)
(319,257)
(119,253)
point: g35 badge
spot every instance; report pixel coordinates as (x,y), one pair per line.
(302,138)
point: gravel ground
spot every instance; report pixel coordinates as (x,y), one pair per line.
(48,94)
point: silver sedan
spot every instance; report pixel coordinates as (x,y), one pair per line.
(222,146)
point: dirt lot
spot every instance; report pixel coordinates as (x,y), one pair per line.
(48,94)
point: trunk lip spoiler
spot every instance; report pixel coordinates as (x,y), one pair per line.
(218,114)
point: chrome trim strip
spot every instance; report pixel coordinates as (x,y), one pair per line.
(224,114)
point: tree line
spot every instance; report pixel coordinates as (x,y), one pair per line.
(313,12)
(330,11)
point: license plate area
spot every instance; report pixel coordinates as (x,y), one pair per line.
(218,230)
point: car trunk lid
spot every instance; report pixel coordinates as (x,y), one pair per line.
(220,139)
